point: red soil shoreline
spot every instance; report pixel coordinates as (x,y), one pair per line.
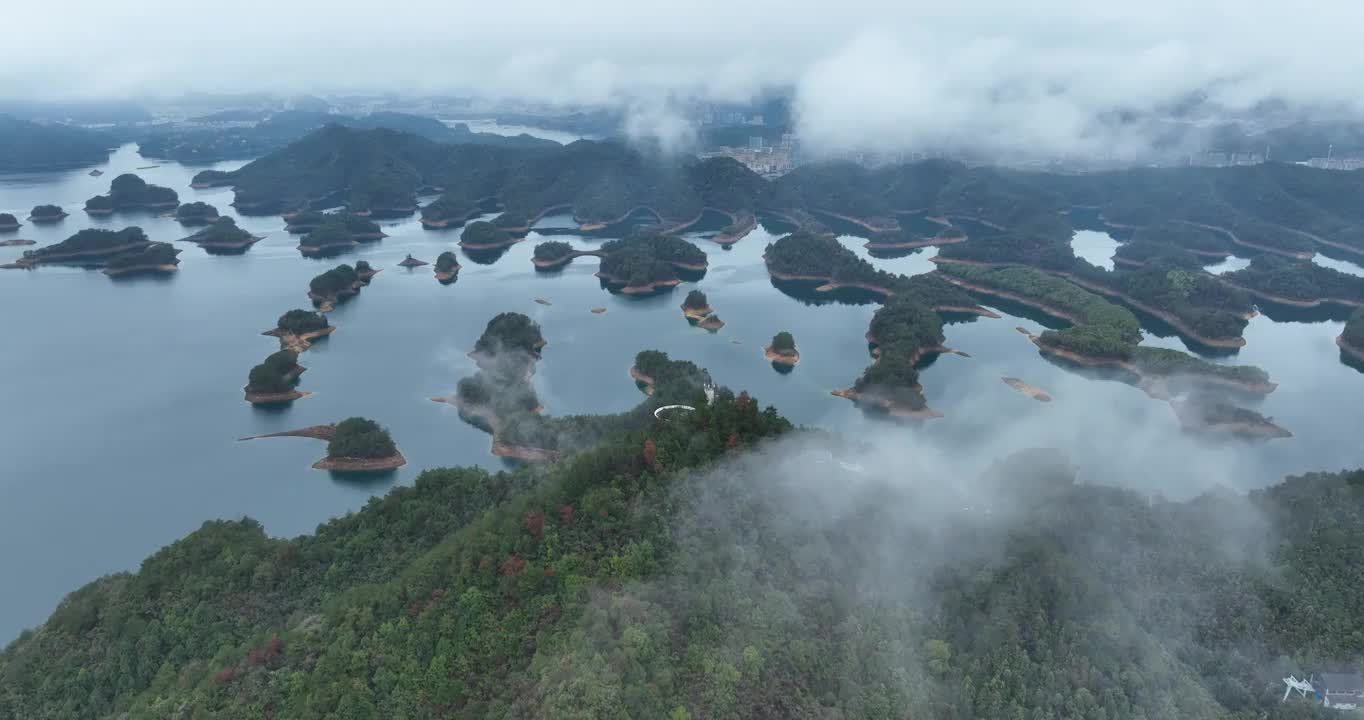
(789,359)
(136,269)
(925,413)
(299,342)
(1306,255)
(1291,302)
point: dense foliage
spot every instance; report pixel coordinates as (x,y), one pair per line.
(696,300)
(552,250)
(221,233)
(8,221)
(1164,362)
(783,342)
(644,258)
(359,437)
(277,374)
(128,192)
(510,331)
(1201,302)
(640,579)
(298,321)
(1353,334)
(482,233)
(446,262)
(1301,280)
(46,212)
(90,243)
(151,255)
(196,212)
(332,234)
(339,281)
(1185,236)
(28,145)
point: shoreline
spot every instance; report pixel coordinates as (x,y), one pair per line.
(470,412)
(649,383)
(638,289)
(141,269)
(787,359)
(446,278)
(697,314)
(743,224)
(1147,382)
(1170,319)
(100,254)
(934,241)
(566,259)
(327,303)
(41,219)
(17,242)
(830,286)
(1291,302)
(867,224)
(361,465)
(1298,255)
(1348,349)
(926,413)
(1031,391)
(273,398)
(299,342)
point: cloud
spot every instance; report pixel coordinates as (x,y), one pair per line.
(1045,77)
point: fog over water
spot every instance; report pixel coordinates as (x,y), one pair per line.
(125,397)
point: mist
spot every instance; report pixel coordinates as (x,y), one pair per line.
(1057,76)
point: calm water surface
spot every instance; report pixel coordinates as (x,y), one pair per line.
(121,402)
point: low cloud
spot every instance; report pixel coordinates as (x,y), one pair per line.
(1050,77)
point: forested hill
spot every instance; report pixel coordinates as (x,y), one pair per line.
(706,566)
(26,145)
(196,145)
(1291,210)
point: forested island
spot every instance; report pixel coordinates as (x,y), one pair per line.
(92,247)
(1297,283)
(903,330)
(296,329)
(196,213)
(360,445)
(223,237)
(156,258)
(643,262)
(483,235)
(26,145)
(338,233)
(555,254)
(272,381)
(782,349)
(447,267)
(696,306)
(333,286)
(46,214)
(130,192)
(8,222)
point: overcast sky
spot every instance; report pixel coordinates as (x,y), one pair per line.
(901,71)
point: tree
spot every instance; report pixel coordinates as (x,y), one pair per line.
(358,437)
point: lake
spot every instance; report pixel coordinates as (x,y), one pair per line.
(122,400)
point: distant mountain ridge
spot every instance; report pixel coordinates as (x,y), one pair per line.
(27,145)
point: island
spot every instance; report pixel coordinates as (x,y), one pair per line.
(696,307)
(303,222)
(156,258)
(555,254)
(223,237)
(8,222)
(46,214)
(483,235)
(410,262)
(196,213)
(360,445)
(17,242)
(711,322)
(1297,283)
(656,374)
(333,286)
(646,261)
(449,210)
(1211,416)
(804,257)
(447,267)
(782,349)
(296,329)
(901,332)
(890,386)
(339,233)
(130,192)
(354,445)
(1351,339)
(272,382)
(92,247)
